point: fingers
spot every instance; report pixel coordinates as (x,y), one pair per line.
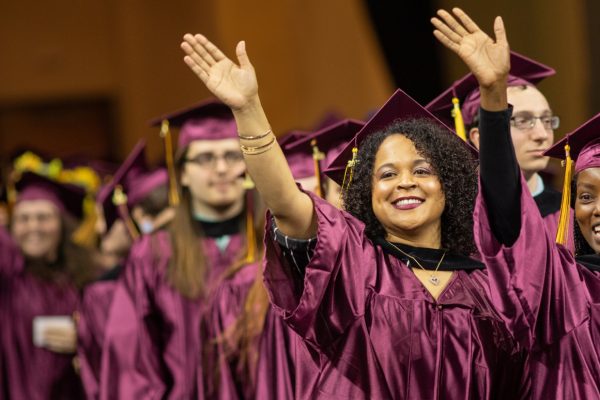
(242,55)
(213,50)
(452,23)
(201,73)
(467,22)
(195,57)
(201,50)
(500,31)
(445,30)
(450,44)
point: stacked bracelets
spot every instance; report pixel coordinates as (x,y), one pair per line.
(254,150)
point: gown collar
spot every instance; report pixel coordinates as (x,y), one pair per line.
(429,258)
(590,261)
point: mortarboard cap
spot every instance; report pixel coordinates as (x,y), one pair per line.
(207,120)
(110,196)
(329,140)
(523,71)
(300,162)
(399,106)
(66,197)
(583,146)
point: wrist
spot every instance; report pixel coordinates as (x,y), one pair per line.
(252,106)
(494,97)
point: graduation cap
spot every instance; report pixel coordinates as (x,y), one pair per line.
(458,105)
(207,120)
(399,106)
(322,146)
(583,147)
(66,197)
(300,161)
(131,184)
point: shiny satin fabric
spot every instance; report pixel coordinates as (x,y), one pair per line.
(93,317)
(32,372)
(221,376)
(551,224)
(539,292)
(166,357)
(380,334)
(281,350)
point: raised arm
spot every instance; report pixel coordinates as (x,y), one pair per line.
(237,86)
(489,61)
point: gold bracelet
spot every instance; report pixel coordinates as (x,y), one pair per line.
(255,137)
(252,151)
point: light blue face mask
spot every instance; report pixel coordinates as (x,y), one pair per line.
(147,227)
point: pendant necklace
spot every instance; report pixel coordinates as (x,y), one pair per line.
(433,278)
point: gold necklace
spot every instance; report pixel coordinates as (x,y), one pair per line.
(433,279)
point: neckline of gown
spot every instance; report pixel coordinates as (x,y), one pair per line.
(218,229)
(590,261)
(429,258)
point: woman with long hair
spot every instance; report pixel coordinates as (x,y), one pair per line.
(384,294)
(188,282)
(547,297)
(42,272)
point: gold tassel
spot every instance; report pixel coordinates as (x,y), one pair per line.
(459,124)
(317,157)
(562,232)
(165,133)
(348,173)
(120,201)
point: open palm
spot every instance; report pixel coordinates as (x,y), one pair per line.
(233,84)
(487,59)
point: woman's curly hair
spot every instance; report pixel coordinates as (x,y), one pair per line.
(454,165)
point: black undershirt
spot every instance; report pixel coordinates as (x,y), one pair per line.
(548,201)
(500,175)
(590,261)
(221,228)
(429,258)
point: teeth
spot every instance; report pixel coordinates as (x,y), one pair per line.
(404,202)
(596,229)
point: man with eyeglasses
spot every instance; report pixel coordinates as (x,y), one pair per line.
(532,126)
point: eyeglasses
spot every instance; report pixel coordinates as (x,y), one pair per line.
(231,158)
(527,121)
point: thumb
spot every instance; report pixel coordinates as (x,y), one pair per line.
(500,31)
(242,56)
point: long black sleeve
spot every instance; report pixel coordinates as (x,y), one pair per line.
(500,175)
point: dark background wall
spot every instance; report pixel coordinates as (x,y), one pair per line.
(85,78)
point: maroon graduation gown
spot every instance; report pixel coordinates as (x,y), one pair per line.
(379,332)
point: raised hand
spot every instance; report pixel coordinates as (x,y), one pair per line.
(488,59)
(235,85)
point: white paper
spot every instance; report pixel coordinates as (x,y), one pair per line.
(42,322)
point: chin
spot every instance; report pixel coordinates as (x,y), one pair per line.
(536,165)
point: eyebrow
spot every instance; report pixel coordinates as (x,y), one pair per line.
(586,185)
(416,162)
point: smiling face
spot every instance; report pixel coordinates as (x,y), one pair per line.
(214,173)
(529,144)
(407,195)
(587,206)
(36,227)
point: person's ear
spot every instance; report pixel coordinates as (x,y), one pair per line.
(474,137)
